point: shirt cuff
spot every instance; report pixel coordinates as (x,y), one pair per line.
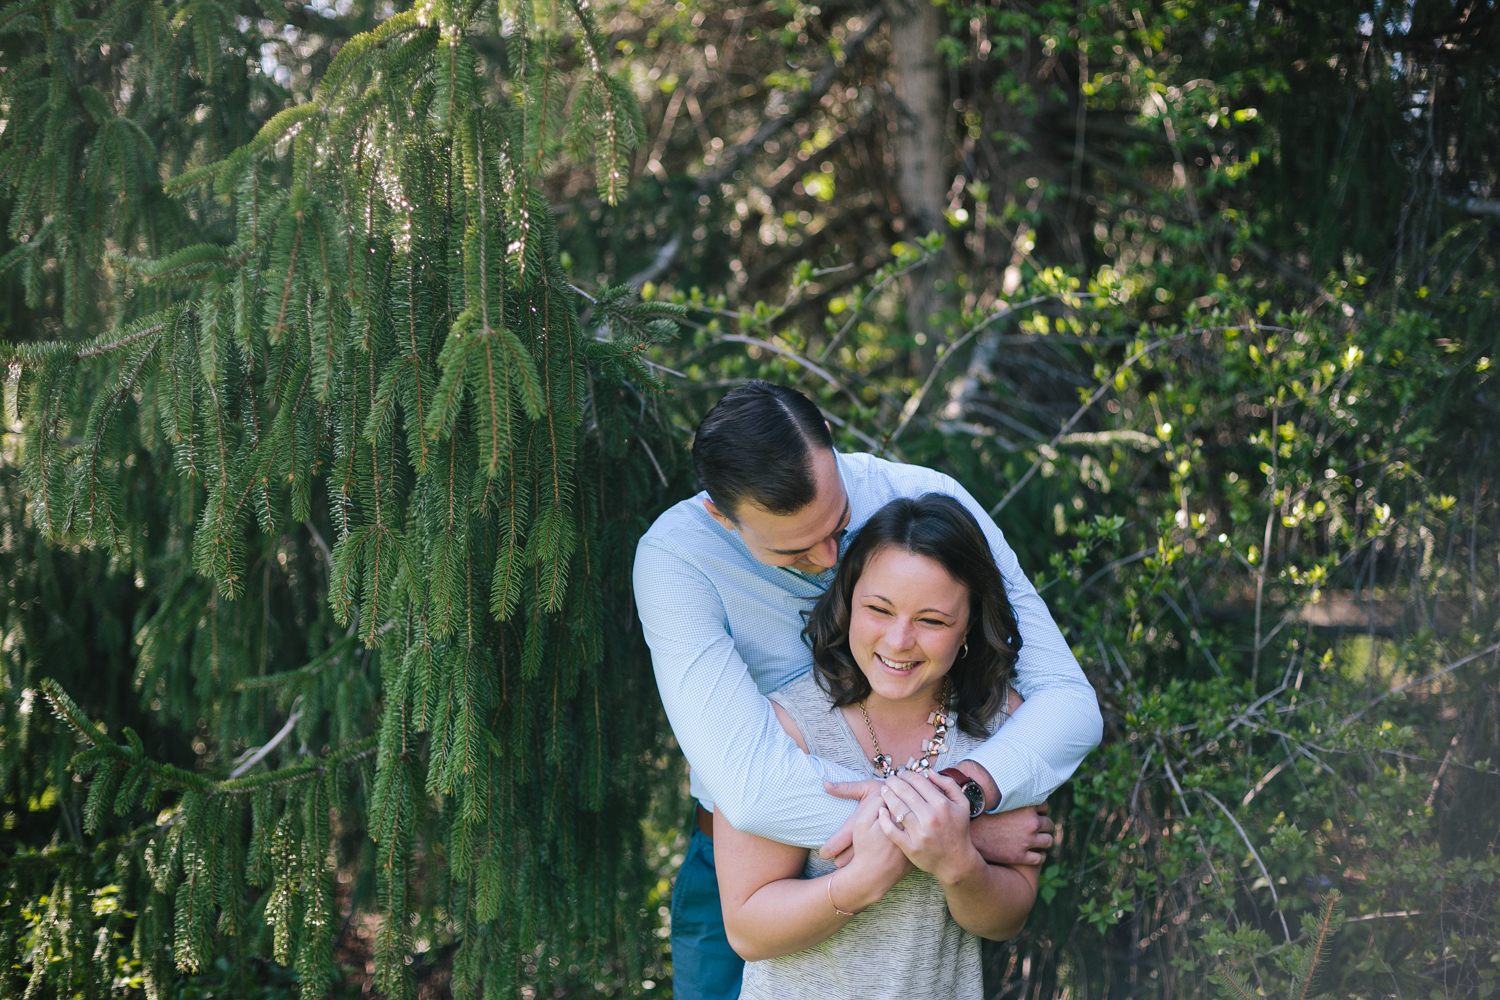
(1011,791)
(1014,775)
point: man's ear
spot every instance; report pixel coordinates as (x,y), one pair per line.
(719,515)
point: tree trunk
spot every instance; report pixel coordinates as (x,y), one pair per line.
(922,160)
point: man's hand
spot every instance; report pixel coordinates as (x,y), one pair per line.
(1018,837)
(840,846)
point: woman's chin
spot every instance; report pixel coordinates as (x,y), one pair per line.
(901,685)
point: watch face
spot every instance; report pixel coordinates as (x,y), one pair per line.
(976,798)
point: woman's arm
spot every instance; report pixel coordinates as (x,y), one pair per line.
(992,901)
(770,910)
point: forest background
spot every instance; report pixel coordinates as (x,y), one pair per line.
(350,348)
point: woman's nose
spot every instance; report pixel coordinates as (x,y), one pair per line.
(901,634)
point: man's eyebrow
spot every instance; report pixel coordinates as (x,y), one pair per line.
(798,552)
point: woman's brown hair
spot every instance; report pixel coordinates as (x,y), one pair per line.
(942,529)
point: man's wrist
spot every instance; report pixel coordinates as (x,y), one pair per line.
(977,772)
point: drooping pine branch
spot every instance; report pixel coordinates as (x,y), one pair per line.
(359,327)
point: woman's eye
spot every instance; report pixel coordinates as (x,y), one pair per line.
(878,611)
(934,621)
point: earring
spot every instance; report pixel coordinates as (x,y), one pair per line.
(965,651)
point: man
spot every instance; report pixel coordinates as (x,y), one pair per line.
(721,581)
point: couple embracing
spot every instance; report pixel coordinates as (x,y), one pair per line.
(874,703)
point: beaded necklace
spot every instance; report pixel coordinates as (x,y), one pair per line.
(941,717)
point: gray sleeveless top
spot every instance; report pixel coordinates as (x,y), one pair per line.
(905,947)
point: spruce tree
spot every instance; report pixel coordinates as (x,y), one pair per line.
(376,470)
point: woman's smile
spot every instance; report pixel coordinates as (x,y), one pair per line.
(897,664)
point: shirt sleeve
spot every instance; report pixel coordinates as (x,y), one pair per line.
(1040,746)
(751,768)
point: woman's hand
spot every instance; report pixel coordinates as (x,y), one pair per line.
(878,864)
(934,824)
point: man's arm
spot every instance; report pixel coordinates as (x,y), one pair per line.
(1044,742)
(756,775)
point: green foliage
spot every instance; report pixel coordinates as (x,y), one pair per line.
(1319,931)
(1218,349)
(1213,534)
(378,489)
(1220,355)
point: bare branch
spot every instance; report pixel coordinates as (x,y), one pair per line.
(659,263)
(1477,206)
(1382,916)
(1122,561)
(1265,780)
(317,538)
(837,421)
(734,157)
(1442,770)
(915,403)
(1078,415)
(848,323)
(1422,680)
(787,352)
(654,463)
(1275,899)
(259,755)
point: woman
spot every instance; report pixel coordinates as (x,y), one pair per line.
(915,628)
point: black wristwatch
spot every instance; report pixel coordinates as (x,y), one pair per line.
(969,787)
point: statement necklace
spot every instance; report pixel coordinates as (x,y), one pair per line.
(940,719)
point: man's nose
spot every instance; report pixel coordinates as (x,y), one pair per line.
(825,553)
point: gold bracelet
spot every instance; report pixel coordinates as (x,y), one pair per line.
(842,913)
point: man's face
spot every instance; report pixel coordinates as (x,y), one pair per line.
(807,540)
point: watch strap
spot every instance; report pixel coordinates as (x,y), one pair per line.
(970,788)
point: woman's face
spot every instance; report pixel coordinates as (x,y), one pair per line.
(907,622)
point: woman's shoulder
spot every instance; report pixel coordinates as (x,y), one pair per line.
(802,692)
(812,711)
(1012,702)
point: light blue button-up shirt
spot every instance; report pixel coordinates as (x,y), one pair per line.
(725,630)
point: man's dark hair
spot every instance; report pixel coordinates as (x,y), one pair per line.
(756,446)
(942,529)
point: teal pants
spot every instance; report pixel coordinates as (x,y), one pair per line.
(704,967)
